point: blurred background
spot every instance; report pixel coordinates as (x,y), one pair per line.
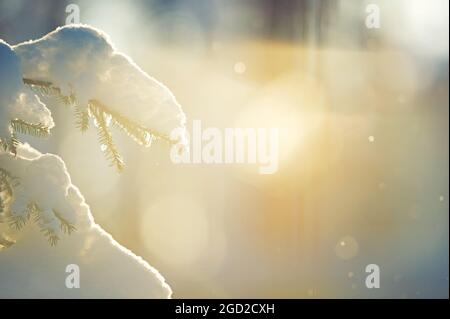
(363,115)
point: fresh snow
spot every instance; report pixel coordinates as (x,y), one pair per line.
(82,60)
(32,268)
(79,60)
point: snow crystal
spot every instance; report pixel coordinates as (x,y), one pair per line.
(81,60)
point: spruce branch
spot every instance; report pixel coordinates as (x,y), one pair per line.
(47,89)
(11,144)
(101,114)
(66,226)
(81,119)
(23,127)
(7,182)
(132,128)
(50,235)
(17,222)
(139,133)
(34,212)
(106,141)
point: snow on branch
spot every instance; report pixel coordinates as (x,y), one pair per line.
(81,61)
(79,66)
(109,269)
(21,111)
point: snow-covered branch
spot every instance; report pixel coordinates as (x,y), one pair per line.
(79,66)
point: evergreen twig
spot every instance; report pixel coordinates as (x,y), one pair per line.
(23,127)
(106,141)
(100,112)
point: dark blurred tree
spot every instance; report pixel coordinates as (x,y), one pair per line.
(299,20)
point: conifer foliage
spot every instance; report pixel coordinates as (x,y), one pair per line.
(143,108)
(102,117)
